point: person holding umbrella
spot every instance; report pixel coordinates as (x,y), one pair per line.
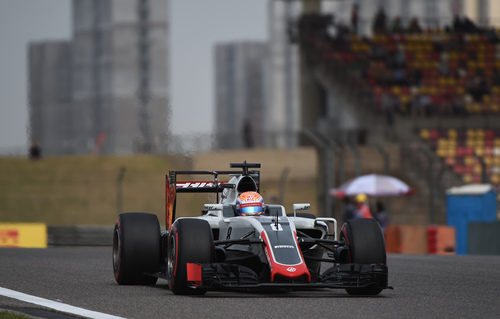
(362,208)
(350,211)
(381,214)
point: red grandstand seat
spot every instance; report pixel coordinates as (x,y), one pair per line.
(434,134)
(461,151)
(476,178)
(488,149)
(450,161)
(459,169)
(469,151)
(489,134)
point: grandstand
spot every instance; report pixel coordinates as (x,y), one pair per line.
(434,91)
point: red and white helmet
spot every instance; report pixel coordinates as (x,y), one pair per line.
(249,204)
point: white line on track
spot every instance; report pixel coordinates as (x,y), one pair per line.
(59,306)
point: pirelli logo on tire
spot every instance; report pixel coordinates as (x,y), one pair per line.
(26,235)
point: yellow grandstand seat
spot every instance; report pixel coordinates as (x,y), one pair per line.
(467,178)
(452,133)
(495,179)
(425,134)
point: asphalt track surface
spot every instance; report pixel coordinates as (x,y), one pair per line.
(424,287)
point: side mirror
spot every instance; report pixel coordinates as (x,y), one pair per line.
(303,206)
(213,207)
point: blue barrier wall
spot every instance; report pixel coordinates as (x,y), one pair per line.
(463,208)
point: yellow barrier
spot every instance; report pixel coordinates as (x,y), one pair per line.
(26,235)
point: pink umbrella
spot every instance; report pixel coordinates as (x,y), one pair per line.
(373,185)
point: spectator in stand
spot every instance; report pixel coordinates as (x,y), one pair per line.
(349,211)
(496,77)
(492,35)
(390,105)
(420,103)
(386,102)
(469,26)
(380,53)
(416,77)
(425,104)
(443,68)
(332,29)
(464,25)
(379,22)
(362,208)
(477,88)
(354,18)
(381,215)
(399,77)
(400,57)
(412,104)
(458,25)
(458,105)
(337,31)
(397,26)
(342,31)
(414,26)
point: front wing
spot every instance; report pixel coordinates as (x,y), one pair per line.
(223,276)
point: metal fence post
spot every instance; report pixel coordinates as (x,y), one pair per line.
(357,158)
(325,157)
(119,190)
(430,184)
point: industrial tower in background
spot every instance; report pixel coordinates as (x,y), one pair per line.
(105,91)
(240,95)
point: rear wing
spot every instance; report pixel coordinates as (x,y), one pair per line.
(173,186)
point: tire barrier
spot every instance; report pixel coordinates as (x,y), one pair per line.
(441,240)
(406,239)
(417,239)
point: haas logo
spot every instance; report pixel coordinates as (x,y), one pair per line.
(291,269)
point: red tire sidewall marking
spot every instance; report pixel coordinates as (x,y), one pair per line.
(119,229)
(347,242)
(172,279)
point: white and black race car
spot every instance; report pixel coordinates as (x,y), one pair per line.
(222,251)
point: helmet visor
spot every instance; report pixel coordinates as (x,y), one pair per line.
(250,209)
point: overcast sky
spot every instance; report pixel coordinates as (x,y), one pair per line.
(196,25)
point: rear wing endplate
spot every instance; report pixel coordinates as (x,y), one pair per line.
(172,186)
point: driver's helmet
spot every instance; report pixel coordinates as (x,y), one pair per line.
(249,204)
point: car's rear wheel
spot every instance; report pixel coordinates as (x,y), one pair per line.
(136,249)
(190,241)
(366,244)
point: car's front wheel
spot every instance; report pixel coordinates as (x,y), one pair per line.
(366,244)
(190,241)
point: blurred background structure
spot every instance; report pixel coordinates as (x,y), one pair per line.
(408,88)
(106,90)
(240,85)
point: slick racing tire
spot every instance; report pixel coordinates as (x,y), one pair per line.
(136,249)
(190,241)
(366,244)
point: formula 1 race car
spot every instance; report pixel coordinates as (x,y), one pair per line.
(221,250)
